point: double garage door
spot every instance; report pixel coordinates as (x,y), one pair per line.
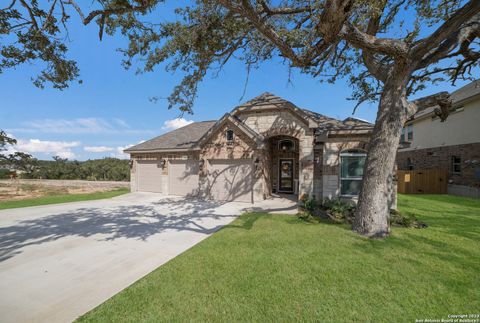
(228,180)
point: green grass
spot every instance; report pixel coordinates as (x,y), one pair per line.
(277,268)
(62,198)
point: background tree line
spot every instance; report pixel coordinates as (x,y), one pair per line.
(106,169)
(26,166)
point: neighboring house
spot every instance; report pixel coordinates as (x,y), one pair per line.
(453,145)
(262,147)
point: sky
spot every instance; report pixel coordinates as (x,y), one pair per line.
(111,110)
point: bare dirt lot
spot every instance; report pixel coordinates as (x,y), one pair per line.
(30,188)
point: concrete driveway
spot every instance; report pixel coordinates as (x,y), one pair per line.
(57,262)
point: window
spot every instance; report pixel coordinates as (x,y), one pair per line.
(351,172)
(407,134)
(286,145)
(229,135)
(456,160)
(409,164)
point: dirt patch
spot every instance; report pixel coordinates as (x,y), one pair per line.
(20,190)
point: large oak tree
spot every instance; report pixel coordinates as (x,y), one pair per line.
(388,49)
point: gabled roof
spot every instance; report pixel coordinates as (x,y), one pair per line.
(466,92)
(192,136)
(267,101)
(227,117)
(459,96)
(183,138)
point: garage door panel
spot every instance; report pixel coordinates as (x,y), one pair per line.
(149,176)
(183,177)
(231,180)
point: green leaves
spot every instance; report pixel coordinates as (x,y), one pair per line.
(35,35)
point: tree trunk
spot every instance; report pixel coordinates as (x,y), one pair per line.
(375,199)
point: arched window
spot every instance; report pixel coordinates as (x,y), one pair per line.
(229,135)
(286,145)
(351,171)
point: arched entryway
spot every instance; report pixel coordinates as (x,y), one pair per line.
(283,154)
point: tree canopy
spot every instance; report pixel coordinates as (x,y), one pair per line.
(361,40)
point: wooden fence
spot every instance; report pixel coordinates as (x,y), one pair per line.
(429,181)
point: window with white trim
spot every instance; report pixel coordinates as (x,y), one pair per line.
(407,134)
(351,171)
(456,164)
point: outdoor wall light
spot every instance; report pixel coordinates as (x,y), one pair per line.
(201,162)
(162,163)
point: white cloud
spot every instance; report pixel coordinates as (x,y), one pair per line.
(98,149)
(58,148)
(66,154)
(175,123)
(119,152)
(121,123)
(78,126)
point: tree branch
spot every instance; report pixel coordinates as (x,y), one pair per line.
(110,11)
(444,32)
(282,10)
(392,47)
(442,99)
(250,13)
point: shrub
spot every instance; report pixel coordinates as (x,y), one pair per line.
(308,203)
(407,220)
(343,212)
(5,173)
(338,210)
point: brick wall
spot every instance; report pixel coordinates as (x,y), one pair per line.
(441,158)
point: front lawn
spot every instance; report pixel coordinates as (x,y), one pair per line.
(62,198)
(270,268)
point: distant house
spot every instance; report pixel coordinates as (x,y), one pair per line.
(453,145)
(263,147)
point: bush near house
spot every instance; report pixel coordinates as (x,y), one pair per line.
(339,211)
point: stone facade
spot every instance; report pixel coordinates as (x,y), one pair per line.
(273,123)
(258,127)
(217,146)
(441,158)
(331,162)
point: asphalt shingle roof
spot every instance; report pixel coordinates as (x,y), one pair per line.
(186,137)
(181,138)
(463,93)
(326,123)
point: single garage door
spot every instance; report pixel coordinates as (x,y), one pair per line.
(231,180)
(149,176)
(183,177)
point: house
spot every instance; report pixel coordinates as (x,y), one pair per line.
(453,145)
(262,147)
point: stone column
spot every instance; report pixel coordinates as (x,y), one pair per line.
(306,159)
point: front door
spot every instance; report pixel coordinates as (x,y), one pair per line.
(286,175)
